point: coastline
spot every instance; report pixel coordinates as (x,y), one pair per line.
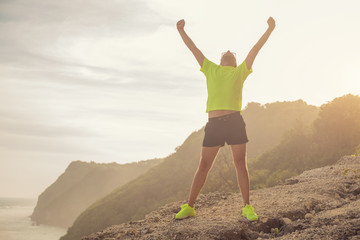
(15,222)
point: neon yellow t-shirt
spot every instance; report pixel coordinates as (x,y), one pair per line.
(224,85)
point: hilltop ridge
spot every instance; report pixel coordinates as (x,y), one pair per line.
(80,185)
(322,203)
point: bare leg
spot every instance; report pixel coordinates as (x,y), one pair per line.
(208,155)
(239,156)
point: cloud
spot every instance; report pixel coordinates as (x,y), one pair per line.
(24,126)
(32,68)
(55,145)
(91,17)
(42,41)
(30,29)
(31,130)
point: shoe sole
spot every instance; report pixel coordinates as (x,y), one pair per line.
(245,219)
(250,219)
(185,217)
(182,218)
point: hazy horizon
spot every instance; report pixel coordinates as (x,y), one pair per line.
(113,81)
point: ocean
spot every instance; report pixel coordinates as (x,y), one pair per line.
(15,223)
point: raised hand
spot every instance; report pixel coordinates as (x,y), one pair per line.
(271,23)
(254,51)
(180,24)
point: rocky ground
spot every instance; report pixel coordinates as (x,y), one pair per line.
(322,203)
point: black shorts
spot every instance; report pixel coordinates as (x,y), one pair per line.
(229,128)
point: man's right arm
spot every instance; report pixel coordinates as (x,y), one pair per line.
(189,43)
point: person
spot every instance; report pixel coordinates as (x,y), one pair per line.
(225,122)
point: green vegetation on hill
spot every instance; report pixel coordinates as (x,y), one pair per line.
(171,180)
(336,132)
(266,124)
(79,186)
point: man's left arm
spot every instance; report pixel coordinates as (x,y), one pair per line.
(255,50)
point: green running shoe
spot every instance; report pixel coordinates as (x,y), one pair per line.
(248,212)
(186,211)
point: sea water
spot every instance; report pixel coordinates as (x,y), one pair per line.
(15,223)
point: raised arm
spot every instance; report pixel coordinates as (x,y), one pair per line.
(254,51)
(189,43)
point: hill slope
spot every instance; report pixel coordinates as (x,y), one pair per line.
(79,186)
(171,180)
(322,203)
(266,124)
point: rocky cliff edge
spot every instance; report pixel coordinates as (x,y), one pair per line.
(322,203)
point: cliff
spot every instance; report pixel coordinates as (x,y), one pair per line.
(322,203)
(79,186)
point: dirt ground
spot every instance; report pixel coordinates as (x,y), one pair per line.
(322,203)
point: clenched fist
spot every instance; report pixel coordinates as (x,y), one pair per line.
(180,24)
(271,23)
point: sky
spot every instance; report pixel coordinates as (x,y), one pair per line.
(112,81)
